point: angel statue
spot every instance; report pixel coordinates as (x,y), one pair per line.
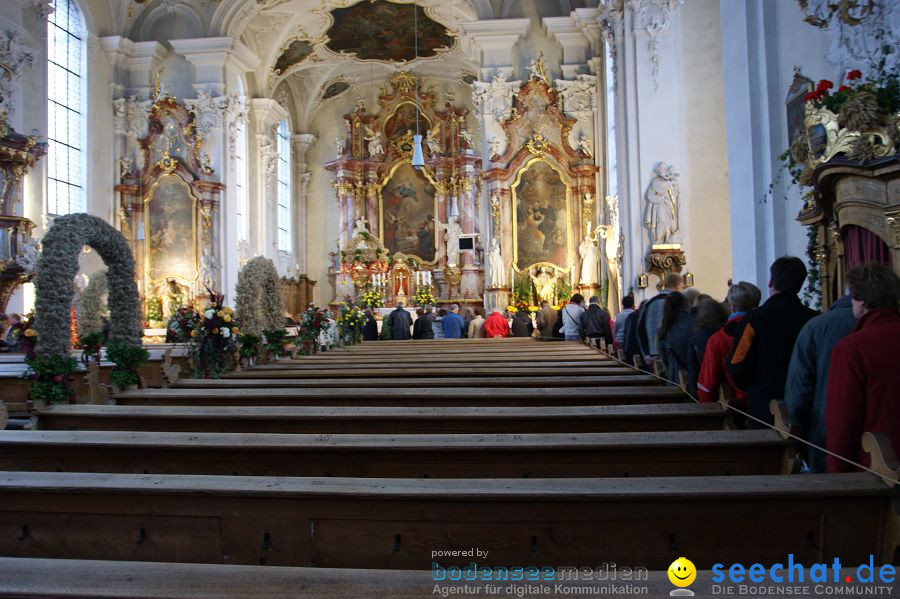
(585,145)
(537,70)
(28,255)
(466,137)
(374,145)
(339,144)
(494,146)
(433,143)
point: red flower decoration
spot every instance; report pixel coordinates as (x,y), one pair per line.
(810,97)
(854,74)
(824,84)
(844,88)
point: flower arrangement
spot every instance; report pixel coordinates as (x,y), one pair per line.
(275,341)
(372,298)
(51,378)
(534,309)
(249,345)
(154,311)
(512,309)
(127,359)
(350,324)
(215,339)
(181,325)
(522,291)
(26,335)
(312,322)
(563,290)
(424,296)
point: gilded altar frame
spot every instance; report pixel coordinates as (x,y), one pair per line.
(514,199)
(430,178)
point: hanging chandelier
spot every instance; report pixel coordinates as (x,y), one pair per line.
(418,158)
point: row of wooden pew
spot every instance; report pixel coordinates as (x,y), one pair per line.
(374,456)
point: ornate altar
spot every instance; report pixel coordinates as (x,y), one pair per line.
(18,251)
(542,192)
(855,203)
(168,201)
(410,212)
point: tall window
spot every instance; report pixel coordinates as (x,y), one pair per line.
(240,180)
(284,187)
(65,109)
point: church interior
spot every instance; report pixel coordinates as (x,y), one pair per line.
(404,298)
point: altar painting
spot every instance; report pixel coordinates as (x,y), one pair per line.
(541,216)
(403,121)
(170,236)
(407,213)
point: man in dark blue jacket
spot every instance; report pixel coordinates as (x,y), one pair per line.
(807,378)
(454,325)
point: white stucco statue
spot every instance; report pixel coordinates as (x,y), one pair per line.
(361,226)
(613,250)
(590,257)
(495,265)
(374,145)
(451,236)
(28,255)
(662,204)
(431,140)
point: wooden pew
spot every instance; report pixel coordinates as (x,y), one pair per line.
(380,420)
(421,396)
(396,523)
(550,455)
(411,372)
(432,382)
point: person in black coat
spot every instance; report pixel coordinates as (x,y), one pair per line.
(761,352)
(370,329)
(675,335)
(596,322)
(522,325)
(399,322)
(710,316)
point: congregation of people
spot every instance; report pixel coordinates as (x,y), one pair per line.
(836,372)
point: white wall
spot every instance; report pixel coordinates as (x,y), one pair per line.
(763,40)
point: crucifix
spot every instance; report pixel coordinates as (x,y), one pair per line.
(401,284)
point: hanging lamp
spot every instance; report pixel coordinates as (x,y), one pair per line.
(418,158)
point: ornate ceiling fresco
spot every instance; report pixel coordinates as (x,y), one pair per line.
(385,31)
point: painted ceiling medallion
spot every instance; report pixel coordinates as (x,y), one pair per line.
(295,53)
(384,31)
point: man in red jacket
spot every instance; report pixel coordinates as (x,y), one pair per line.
(864,378)
(496,325)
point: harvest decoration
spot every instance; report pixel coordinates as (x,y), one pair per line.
(215,339)
(350,323)
(312,321)
(424,296)
(372,298)
(181,324)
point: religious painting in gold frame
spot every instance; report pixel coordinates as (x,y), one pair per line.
(407,208)
(170,238)
(542,227)
(402,120)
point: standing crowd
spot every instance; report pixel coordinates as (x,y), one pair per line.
(836,372)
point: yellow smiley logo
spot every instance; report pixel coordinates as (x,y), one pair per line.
(682,572)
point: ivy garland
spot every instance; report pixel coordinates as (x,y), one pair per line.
(812,293)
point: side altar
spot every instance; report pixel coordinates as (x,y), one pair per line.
(403,228)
